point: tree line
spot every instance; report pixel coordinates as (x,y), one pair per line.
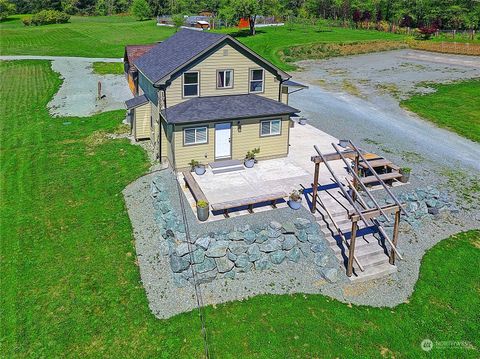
(441,14)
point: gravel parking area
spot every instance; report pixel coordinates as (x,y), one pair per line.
(358,97)
(77,95)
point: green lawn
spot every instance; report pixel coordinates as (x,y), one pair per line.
(107,36)
(70,286)
(107,68)
(453,106)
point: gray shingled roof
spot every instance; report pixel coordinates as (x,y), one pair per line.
(200,109)
(174,52)
(136,101)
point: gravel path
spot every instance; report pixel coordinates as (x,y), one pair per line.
(357,97)
(77,95)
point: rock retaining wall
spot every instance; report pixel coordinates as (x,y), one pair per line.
(240,249)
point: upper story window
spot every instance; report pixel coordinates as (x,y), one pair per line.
(256,80)
(270,127)
(195,135)
(224,79)
(190,84)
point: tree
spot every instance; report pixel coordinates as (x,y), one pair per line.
(6,9)
(140,9)
(178,20)
(247,9)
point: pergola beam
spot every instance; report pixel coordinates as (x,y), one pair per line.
(351,154)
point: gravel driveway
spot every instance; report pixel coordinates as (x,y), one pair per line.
(358,97)
(77,95)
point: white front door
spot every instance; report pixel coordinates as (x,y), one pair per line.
(223,133)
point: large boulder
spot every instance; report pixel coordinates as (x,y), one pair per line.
(206,277)
(301,223)
(242,261)
(277,257)
(289,227)
(319,247)
(263,264)
(203,242)
(249,236)
(294,254)
(198,255)
(224,264)
(270,245)
(289,242)
(207,265)
(321,260)
(262,236)
(275,225)
(182,249)
(330,274)
(237,247)
(235,236)
(178,264)
(217,249)
(254,253)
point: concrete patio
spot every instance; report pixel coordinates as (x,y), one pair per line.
(269,176)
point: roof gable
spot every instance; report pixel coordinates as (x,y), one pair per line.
(177,50)
(170,57)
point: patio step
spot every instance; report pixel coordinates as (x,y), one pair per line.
(226,166)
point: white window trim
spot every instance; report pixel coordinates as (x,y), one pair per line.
(231,78)
(184,84)
(196,142)
(270,125)
(251,80)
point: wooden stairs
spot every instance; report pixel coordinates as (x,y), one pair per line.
(369,249)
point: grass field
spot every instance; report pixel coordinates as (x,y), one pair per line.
(107,36)
(106,68)
(453,106)
(71,287)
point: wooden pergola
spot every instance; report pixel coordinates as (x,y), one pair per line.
(361,210)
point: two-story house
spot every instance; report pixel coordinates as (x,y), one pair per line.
(205,96)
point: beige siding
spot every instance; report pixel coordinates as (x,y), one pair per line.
(166,150)
(142,122)
(221,60)
(154,132)
(285,95)
(242,141)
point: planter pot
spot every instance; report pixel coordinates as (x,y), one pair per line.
(405,177)
(203,213)
(200,170)
(302,121)
(295,204)
(249,163)
(343,143)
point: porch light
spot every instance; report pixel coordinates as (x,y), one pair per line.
(239,126)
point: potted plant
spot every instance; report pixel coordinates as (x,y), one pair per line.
(197,167)
(405,172)
(250,157)
(302,121)
(203,210)
(295,200)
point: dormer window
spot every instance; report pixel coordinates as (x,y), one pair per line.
(190,84)
(256,80)
(224,79)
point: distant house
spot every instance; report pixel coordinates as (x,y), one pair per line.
(133,52)
(206,96)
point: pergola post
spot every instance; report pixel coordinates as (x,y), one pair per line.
(395,236)
(355,183)
(315,187)
(351,249)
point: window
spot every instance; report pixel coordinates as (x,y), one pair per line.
(195,136)
(256,80)
(190,84)
(270,128)
(225,79)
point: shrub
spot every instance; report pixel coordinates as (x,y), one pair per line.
(251,154)
(46,17)
(140,9)
(6,9)
(178,20)
(424,33)
(202,204)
